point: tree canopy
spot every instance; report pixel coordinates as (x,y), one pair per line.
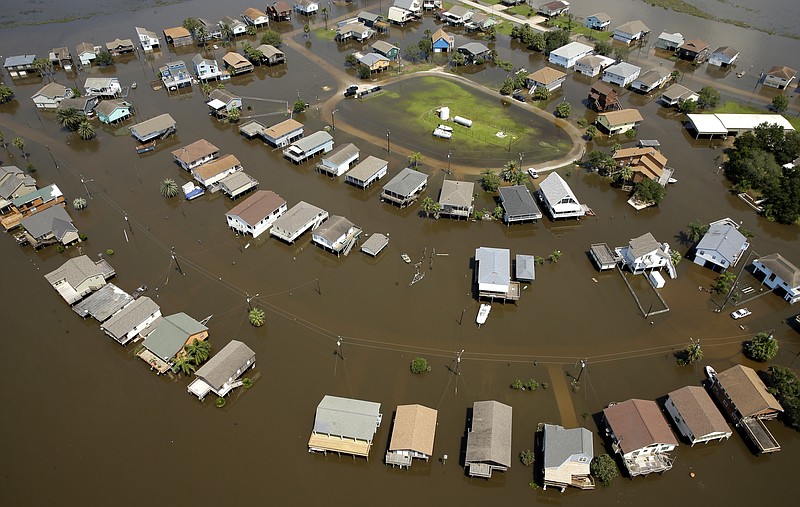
(784,384)
(763,347)
(648,190)
(709,97)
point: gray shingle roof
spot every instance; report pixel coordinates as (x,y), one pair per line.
(643,245)
(334,227)
(632,27)
(560,444)
(779,265)
(74,270)
(107,107)
(489,439)
(375,244)
(13,61)
(367,168)
(297,216)
(153,125)
(554,189)
(457,193)
(129,317)
(698,411)
(42,223)
(525,267)
(474,48)
(724,239)
(405,182)
(746,390)
(347,417)
(103,303)
(312,141)
(342,154)
(225,364)
(171,335)
(623,69)
(517,200)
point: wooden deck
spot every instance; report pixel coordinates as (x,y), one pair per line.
(324,443)
(760,435)
(513,293)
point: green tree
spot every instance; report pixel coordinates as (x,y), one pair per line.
(508,86)
(696,230)
(3,139)
(206,89)
(563,110)
(555,39)
(350,60)
(784,384)
(600,161)
(783,200)
(521,79)
(687,106)
(364,72)
(621,53)
(724,283)
(169,188)
(191,24)
(708,97)
(68,117)
(299,106)
(430,207)
(420,365)
(780,103)
(675,257)
(604,469)
(425,47)
(631,133)
(527,457)
(104,59)
(198,351)
(414,158)
(19,143)
(201,36)
(650,191)
(674,75)
(541,93)
(219,402)
(603,47)
(762,348)
(458,59)
(6,93)
(234,114)
(85,130)
(227,32)
(517,384)
(591,132)
(42,66)
(306,29)
(184,364)
(692,353)
(412,53)
(498,213)
(554,256)
(257,317)
(271,38)
(79,203)
(324,12)
(490,180)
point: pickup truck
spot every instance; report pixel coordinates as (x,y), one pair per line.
(358,91)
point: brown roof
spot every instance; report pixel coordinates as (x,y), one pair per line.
(546,75)
(695,45)
(787,271)
(782,71)
(234,59)
(622,116)
(195,151)
(648,161)
(253,13)
(603,88)
(176,32)
(637,424)
(414,429)
(698,411)
(747,392)
(217,166)
(257,206)
(441,34)
(282,128)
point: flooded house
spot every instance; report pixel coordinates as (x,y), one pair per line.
(558,198)
(518,205)
(456,15)
(13,183)
(237,63)
(345,426)
(374,62)
(210,173)
(78,277)
(677,93)
(119,47)
(567,456)
(337,235)
(113,111)
(779,77)
(696,416)
(375,244)
(339,161)
(61,57)
(298,219)
(83,105)
(619,122)
(443,42)
(489,439)
(87,53)
(31,203)
(551,79)
(167,338)
(651,80)
(568,54)
(405,187)
(53,225)
(309,147)
(621,74)
(354,30)
(147,39)
(236,184)
(175,75)
(195,154)
(669,41)
(593,65)
(553,9)
(603,98)
(747,402)
(161,126)
(456,198)
(279,11)
(104,87)
(640,435)
(103,303)
(525,268)
(694,50)
(722,246)
(236,27)
(178,36)
(493,274)
(383,48)
(644,163)
(222,102)
(599,21)
(630,32)
(255,17)
(50,95)
(125,325)
(474,51)
(256,214)
(283,133)
(723,56)
(221,374)
(780,275)
(646,254)
(20,65)
(271,54)
(207,69)
(413,435)
(306,7)
(367,172)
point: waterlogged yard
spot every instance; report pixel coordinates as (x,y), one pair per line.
(500,130)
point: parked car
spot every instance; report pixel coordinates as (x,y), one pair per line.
(518,96)
(740,313)
(534,174)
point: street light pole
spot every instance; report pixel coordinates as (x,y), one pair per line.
(388,143)
(333,119)
(448,161)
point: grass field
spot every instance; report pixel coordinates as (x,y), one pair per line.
(733,107)
(323,34)
(578,28)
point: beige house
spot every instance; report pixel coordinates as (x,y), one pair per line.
(412,436)
(567,456)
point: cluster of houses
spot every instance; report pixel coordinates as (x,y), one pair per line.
(213,172)
(636,430)
(127,318)
(102,97)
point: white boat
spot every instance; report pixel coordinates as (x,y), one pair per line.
(483,313)
(444,134)
(406,258)
(711,373)
(672,180)
(133,85)
(192,191)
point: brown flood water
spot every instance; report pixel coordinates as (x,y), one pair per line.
(86,423)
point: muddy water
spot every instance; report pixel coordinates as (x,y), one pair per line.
(86,423)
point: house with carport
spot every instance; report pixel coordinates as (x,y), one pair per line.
(256,214)
(222,102)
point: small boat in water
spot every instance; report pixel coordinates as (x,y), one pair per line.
(192,191)
(672,180)
(711,373)
(144,148)
(406,258)
(133,85)
(483,313)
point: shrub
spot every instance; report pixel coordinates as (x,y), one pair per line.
(604,469)
(60,249)
(247,382)
(762,348)
(420,365)
(109,251)
(527,457)
(517,384)
(83,237)
(220,402)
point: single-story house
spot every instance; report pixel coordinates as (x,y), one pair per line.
(283,133)
(194,154)
(178,36)
(696,416)
(621,74)
(558,198)
(723,56)
(61,57)
(640,434)
(297,220)
(279,11)
(237,184)
(546,77)
(567,456)
(272,55)
(106,87)
(339,161)
(86,52)
(779,77)
(489,439)
(405,187)
(456,15)
(779,275)
(473,51)
(345,425)
(599,21)
(210,173)
(20,65)
(337,234)
(50,95)
(309,146)
(252,129)
(592,65)
(745,399)
(160,126)
(103,303)
(603,97)
(168,338)
(113,110)
(255,17)
(480,21)
(518,204)
(256,214)
(619,122)
(51,225)
(493,273)
(120,47)
(456,198)
(676,93)
(568,54)
(206,68)
(79,276)
(721,246)
(644,162)
(374,244)
(367,172)
(645,253)
(670,41)
(413,434)
(443,42)
(383,48)
(147,39)
(83,105)
(722,124)
(127,323)
(694,50)
(220,375)
(237,27)
(552,9)
(630,32)
(221,102)
(603,256)
(651,80)
(525,267)
(175,75)
(237,63)
(374,62)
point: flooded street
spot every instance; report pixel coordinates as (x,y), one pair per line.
(87,423)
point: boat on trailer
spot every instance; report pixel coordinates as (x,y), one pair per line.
(444,134)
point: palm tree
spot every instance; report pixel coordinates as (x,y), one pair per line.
(234,114)
(257,317)
(695,230)
(85,130)
(20,144)
(169,188)
(555,256)
(79,203)
(68,117)
(625,173)
(6,93)
(206,89)
(414,158)
(324,12)
(201,35)
(183,363)
(198,351)
(42,66)
(227,32)
(430,207)
(306,29)
(693,352)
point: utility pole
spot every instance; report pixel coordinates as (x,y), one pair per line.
(388,143)
(319,291)
(339,347)
(583,367)
(127,222)
(250,298)
(458,368)
(333,119)
(52,157)
(176,262)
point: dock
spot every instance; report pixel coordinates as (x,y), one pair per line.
(603,256)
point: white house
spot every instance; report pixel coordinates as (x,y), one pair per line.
(210,173)
(149,40)
(405,187)
(50,95)
(645,253)
(306,7)
(337,234)
(255,17)
(568,453)
(412,6)
(220,375)
(696,416)
(670,41)
(676,93)
(345,425)
(779,77)
(593,65)
(78,277)
(309,146)
(724,56)
(297,220)
(780,275)
(546,77)
(599,21)
(457,198)
(621,74)
(126,324)
(493,269)
(367,172)
(651,80)
(256,214)
(86,52)
(631,31)
(558,198)
(194,154)
(457,15)
(107,87)
(283,133)
(721,246)
(237,26)
(641,435)
(555,8)
(340,160)
(568,54)
(413,434)
(400,16)
(205,68)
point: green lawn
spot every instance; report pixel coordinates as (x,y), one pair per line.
(733,107)
(504,28)
(323,34)
(522,10)
(577,27)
